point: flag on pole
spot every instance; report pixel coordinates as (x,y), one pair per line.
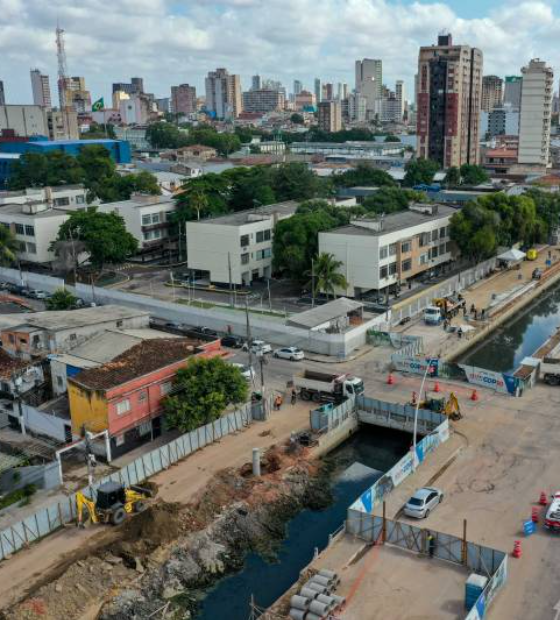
(98,105)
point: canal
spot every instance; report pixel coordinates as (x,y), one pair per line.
(520,337)
(357,464)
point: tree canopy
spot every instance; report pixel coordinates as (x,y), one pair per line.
(420,172)
(104,235)
(326,276)
(165,135)
(391,199)
(364,174)
(8,246)
(61,299)
(472,174)
(204,388)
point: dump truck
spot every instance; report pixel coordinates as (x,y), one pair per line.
(549,370)
(450,306)
(322,387)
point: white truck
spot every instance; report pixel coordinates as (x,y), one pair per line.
(549,371)
(432,315)
(321,387)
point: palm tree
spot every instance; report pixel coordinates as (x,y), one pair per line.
(8,246)
(326,276)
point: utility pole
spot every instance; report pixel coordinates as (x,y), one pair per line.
(90,458)
(312,283)
(230,282)
(269,297)
(17,382)
(249,338)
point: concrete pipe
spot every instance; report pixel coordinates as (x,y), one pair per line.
(315,586)
(300,602)
(298,614)
(308,593)
(311,616)
(339,600)
(319,608)
(322,581)
(326,599)
(329,574)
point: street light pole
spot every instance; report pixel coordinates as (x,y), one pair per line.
(415,432)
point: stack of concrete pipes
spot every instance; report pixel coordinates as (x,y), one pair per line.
(316,599)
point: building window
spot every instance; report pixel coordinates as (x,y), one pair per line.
(145,428)
(392,249)
(383,272)
(30,230)
(434,252)
(143,397)
(22,246)
(406,246)
(406,264)
(166,388)
(424,239)
(434,235)
(20,229)
(442,232)
(244,240)
(80,200)
(120,323)
(423,259)
(392,269)
(31,248)
(146,219)
(60,381)
(123,407)
(119,440)
(383,252)
(263,235)
(73,337)
(448,246)
(61,202)
(155,218)
(442,249)
(245,259)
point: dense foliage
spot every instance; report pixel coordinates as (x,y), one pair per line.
(204,388)
(391,199)
(420,171)
(468,174)
(8,246)
(364,175)
(168,136)
(93,167)
(326,276)
(61,299)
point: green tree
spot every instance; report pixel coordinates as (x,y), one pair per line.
(420,172)
(38,170)
(297,119)
(391,199)
(164,135)
(473,175)
(61,299)
(204,388)
(326,275)
(8,246)
(295,181)
(364,175)
(104,235)
(453,176)
(391,138)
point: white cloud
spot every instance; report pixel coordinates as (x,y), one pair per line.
(169,42)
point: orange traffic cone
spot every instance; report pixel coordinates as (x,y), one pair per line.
(474,395)
(436,387)
(517,549)
(390,379)
(543,500)
(535,515)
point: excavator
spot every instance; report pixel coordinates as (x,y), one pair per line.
(114,502)
(450,406)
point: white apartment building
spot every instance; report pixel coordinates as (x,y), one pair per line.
(536,115)
(379,253)
(236,248)
(41,89)
(223,94)
(369,82)
(24,120)
(62,197)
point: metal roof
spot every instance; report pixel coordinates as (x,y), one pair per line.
(327,312)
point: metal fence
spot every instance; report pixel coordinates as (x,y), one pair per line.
(406,345)
(53,517)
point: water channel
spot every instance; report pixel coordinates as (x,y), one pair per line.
(358,463)
(520,337)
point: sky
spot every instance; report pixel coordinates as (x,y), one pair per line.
(170,42)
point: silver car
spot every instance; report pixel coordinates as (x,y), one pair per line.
(423,502)
(290,353)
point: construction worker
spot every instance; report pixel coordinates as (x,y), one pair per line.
(431,544)
(294,396)
(278,402)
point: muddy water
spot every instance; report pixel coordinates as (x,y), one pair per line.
(377,450)
(520,337)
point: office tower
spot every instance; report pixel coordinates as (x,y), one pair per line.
(341,91)
(223,94)
(536,112)
(183,99)
(134,87)
(76,94)
(401,99)
(298,87)
(263,101)
(369,82)
(512,91)
(357,107)
(41,89)
(2,95)
(256,82)
(137,84)
(163,104)
(330,116)
(492,92)
(449,100)
(328,92)
(318,90)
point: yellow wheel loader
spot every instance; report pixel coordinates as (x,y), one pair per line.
(450,406)
(114,502)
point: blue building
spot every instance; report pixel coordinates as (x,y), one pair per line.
(6,161)
(120,150)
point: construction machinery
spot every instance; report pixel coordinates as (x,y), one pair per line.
(448,406)
(450,306)
(113,503)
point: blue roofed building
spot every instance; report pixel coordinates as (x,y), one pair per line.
(6,161)
(119,150)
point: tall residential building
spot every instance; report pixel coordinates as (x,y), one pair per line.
(449,100)
(223,94)
(305,101)
(76,94)
(330,116)
(256,82)
(328,92)
(341,91)
(357,107)
(369,81)
(401,99)
(263,100)
(512,91)
(134,87)
(298,87)
(41,89)
(183,99)
(318,90)
(492,92)
(2,95)
(536,114)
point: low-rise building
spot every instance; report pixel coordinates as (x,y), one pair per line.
(119,151)
(263,100)
(500,161)
(379,253)
(125,396)
(135,136)
(236,248)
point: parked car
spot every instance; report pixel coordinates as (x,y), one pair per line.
(552,518)
(204,331)
(37,294)
(234,342)
(537,274)
(423,502)
(290,353)
(247,371)
(173,325)
(258,346)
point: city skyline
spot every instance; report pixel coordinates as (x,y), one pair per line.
(106,42)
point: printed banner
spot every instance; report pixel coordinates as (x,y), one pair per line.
(506,384)
(416,365)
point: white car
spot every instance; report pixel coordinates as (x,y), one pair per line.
(290,353)
(423,502)
(258,346)
(247,371)
(552,519)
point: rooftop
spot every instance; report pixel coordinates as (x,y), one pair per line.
(142,359)
(325,313)
(396,221)
(244,217)
(42,143)
(10,365)
(23,209)
(137,201)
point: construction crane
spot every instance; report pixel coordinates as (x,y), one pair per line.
(62,67)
